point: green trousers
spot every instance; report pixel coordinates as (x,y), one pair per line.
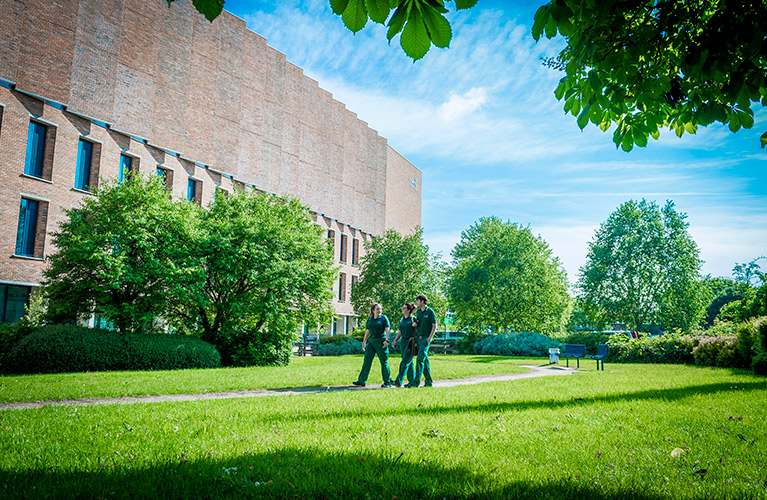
(422,364)
(406,365)
(375,347)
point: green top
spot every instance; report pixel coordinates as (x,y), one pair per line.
(426,320)
(406,329)
(377,326)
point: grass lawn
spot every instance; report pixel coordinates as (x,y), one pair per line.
(302,372)
(632,431)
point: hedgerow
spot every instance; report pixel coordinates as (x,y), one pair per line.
(69,348)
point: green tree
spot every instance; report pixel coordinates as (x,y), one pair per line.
(261,270)
(394,270)
(505,278)
(643,268)
(721,292)
(117,255)
(751,284)
(668,63)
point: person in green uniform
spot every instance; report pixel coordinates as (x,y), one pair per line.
(375,342)
(426,326)
(406,334)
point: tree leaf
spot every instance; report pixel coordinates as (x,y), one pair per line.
(551,28)
(465,4)
(763,139)
(640,138)
(415,39)
(746,119)
(378,10)
(734,122)
(396,22)
(540,20)
(438,27)
(355,15)
(338,6)
(209,8)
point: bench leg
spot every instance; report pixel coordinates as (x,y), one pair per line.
(578,360)
(568,362)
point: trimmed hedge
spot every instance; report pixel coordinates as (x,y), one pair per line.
(590,339)
(717,351)
(516,344)
(338,345)
(666,348)
(69,348)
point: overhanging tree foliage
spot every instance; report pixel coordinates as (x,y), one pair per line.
(505,278)
(642,268)
(394,270)
(646,65)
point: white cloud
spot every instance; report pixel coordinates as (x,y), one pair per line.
(457,107)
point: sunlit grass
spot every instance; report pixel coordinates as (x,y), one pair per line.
(302,372)
(610,434)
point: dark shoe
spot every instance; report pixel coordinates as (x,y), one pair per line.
(428,385)
(410,386)
(396,384)
(386,386)
(358,384)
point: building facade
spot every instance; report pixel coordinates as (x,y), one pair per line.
(90,90)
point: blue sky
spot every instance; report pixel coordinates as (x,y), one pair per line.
(481,122)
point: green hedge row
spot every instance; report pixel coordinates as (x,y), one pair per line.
(516,344)
(746,349)
(69,348)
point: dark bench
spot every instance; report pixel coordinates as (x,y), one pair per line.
(307,345)
(601,354)
(576,351)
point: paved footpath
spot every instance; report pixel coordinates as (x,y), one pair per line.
(535,371)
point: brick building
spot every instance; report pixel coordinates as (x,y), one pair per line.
(90,89)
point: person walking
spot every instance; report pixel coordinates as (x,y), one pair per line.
(407,335)
(425,328)
(375,342)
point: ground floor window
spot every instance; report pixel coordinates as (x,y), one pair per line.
(13,299)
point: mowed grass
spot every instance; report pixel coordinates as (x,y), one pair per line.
(301,372)
(632,431)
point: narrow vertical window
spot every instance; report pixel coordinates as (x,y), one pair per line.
(343,248)
(126,166)
(332,238)
(27,228)
(35,149)
(355,251)
(342,287)
(191,190)
(84,161)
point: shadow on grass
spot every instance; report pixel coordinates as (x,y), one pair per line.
(567,402)
(297,473)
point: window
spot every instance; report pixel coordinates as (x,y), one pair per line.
(26,233)
(343,247)
(84,163)
(35,149)
(13,298)
(342,287)
(191,190)
(355,251)
(126,167)
(355,279)
(332,238)
(167,176)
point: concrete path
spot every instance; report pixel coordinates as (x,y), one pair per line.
(535,371)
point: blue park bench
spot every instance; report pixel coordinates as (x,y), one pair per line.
(601,354)
(576,351)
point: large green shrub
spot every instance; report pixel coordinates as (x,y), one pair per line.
(516,344)
(69,348)
(667,348)
(339,345)
(717,351)
(465,344)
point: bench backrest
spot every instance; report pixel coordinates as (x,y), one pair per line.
(574,350)
(603,349)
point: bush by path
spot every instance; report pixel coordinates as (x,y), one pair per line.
(68,348)
(516,344)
